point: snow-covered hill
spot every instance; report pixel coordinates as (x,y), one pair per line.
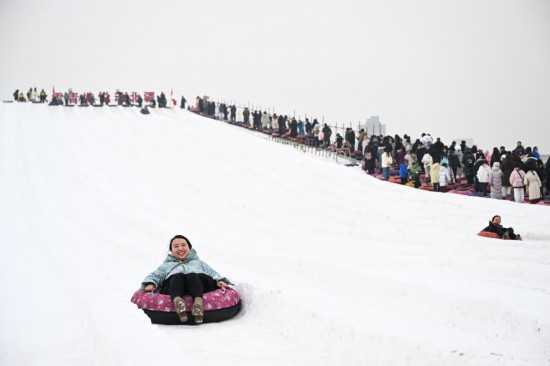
(333,266)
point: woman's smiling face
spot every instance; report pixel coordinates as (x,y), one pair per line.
(180,249)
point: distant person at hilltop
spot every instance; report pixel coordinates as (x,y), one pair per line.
(183,101)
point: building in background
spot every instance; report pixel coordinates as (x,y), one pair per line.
(469,141)
(373,126)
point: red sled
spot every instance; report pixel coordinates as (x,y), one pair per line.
(488,234)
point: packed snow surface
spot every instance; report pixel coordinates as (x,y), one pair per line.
(333,266)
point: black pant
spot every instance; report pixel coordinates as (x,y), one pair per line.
(193,284)
(370,166)
(483,188)
(404,180)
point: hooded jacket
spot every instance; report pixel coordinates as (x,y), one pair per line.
(444,176)
(495,180)
(172,266)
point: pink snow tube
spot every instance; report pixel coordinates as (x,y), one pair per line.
(218,306)
(458,191)
(488,234)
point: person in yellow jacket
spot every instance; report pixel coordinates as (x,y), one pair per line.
(434,176)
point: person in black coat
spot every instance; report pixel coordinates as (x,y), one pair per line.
(350,136)
(519,150)
(327,133)
(282,127)
(463,146)
(495,156)
(454,162)
(309,126)
(293,128)
(339,141)
(468,163)
(370,157)
(183,101)
(497,228)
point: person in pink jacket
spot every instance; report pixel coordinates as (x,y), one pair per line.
(516,181)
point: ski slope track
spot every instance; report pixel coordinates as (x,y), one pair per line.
(333,266)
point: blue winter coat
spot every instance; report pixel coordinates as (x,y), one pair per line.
(172,266)
(403,171)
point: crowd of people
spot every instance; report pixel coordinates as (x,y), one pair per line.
(505,172)
(70,98)
(501,173)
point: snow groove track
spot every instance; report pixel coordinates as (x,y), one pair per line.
(334,267)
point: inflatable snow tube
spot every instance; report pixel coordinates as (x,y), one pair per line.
(488,234)
(218,306)
(458,191)
(426,187)
(395,179)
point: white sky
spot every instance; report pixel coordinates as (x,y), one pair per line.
(452,68)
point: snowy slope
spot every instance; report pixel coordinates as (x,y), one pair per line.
(334,267)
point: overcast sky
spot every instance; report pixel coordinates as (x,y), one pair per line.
(456,69)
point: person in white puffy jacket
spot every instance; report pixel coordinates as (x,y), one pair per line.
(265,120)
(387,161)
(495,181)
(444,177)
(483,177)
(427,160)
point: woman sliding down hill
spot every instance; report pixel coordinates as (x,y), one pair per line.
(184,273)
(502,232)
